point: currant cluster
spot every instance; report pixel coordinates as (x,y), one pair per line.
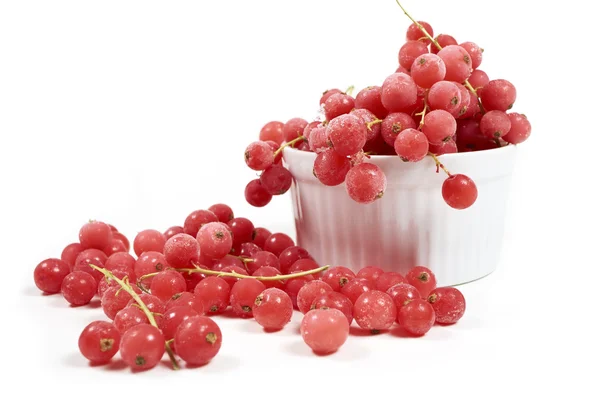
(437,102)
(164,300)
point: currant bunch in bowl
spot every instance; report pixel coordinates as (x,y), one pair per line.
(438,101)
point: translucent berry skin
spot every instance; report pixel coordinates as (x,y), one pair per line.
(172,231)
(148,240)
(128,317)
(150,262)
(336,301)
(142,347)
(448,304)
(153,303)
(427,69)
(213,292)
(411,145)
(447,147)
(445,96)
(324,331)
(465,101)
(277,243)
(276,180)
(458,63)
(122,238)
(367,117)
(318,139)
(49,274)
(338,277)
(388,279)
(185,299)
(371,273)
(414,32)
(181,250)
(260,236)
(79,288)
(294,128)
(289,256)
(338,104)
(70,253)
(330,168)
(410,51)
(167,284)
(303,265)
(243,294)
(375,310)
(365,183)
(256,195)
(398,92)
(198,340)
(223,212)
(478,80)
(215,240)
(472,108)
(115,246)
(173,317)
(469,137)
(417,317)
(269,271)
(99,342)
(273,309)
(292,287)
(327,94)
(347,134)
(498,94)
(520,129)
(494,124)
(370,99)
(114,300)
(241,229)
(106,283)
(95,235)
(308,293)
(258,156)
(423,279)
(196,219)
(272,131)
(443,40)
(357,286)
(395,123)
(123,261)
(247,250)
(439,126)
(402,294)
(474,52)
(262,259)
(459,191)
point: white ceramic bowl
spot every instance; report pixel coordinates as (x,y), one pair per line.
(411,224)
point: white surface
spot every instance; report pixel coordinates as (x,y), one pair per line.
(411,224)
(137,112)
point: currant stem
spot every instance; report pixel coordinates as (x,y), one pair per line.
(438,163)
(290,143)
(245,259)
(349,90)
(375,121)
(422,113)
(126,287)
(435,42)
(259,278)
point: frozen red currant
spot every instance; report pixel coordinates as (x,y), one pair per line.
(181,251)
(214,292)
(128,317)
(356,287)
(448,304)
(196,220)
(388,279)
(273,309)
(370,273)
(114,300)
(148,240)
(337,277)
(215,240)
(308,293)
(375,311)
(167,283)
(324,331)
(416,317)
(402,294)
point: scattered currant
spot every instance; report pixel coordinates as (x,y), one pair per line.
(70,253)
(213,292)
(375,311)
(308,293)
(448,304)
(388,279)
(198,340)
(99,342)
(173,317)
(338,277)
(371,273)
(142,347)
(334,300)
(49,274)
(166,284)
(181,250)
(148,240)
(79,288)
(128,317)
(243,294)
(357,286)
(215,239)
(324,330)
(272,309)
(95,235)
(402,293)
(416,317)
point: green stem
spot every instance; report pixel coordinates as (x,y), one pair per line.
(349,90)
(438,163)
(290,143)
(375,121)
(259,278)
(126,287)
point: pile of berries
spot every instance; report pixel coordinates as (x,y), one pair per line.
(437,102)
(164,300)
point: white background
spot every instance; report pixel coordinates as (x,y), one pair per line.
(137,112)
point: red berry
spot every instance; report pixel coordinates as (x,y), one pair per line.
(398,92)
(443,40)
(520,129)
(148,263)
(347,134)
(273,309)
(241,230)
(259,236)
(428,69)
(215,240)
(87,257)
(185,299)
(95,235)
(148,240)
(243,295)
(294,128)
(370,273)
(289,256)
(337,277)
(338,104)
(173,317)
(324,331)
(167,284)
(259,156)
(365,183)
(223,212)
(356,287)
(123,261)
(272,131)
(411,145)
(79,288)
(395,123)
(308,293)
(388,279)
(181,251)
(198,340)
(128,317)
(498,94)
(423,279)
(370,98)
(417,317)
(410,51)
(99,341)
(277,243)
(375,311)
(196,220)
(335,300)
(458,63)
(256,195)
(142,347)
(402,294)
(49,274)
(331,168)
(459,191)
(292,287)
(414,32)
(327,94)
(494,124)
(213,292)
(70,253)
(448,304)
(276,180)
(262,259)
(153,303)
(114,300)
(269,271)
(172,231)
(475,53)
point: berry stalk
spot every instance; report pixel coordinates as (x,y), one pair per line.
(127,287)
(435,42)
(290,143)
(439,164)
